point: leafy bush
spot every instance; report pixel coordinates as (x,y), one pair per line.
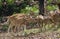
(49,7)
(28,9)
(10,2)
(4,27)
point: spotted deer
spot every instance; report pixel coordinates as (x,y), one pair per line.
(44,20)
(17,21)
(56,17)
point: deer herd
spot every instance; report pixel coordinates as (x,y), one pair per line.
(19,22)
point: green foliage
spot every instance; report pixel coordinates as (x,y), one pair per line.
(49,1)
(10,2)
(24,7)
(49,7)
(4,27)
(28,9)
(0,3)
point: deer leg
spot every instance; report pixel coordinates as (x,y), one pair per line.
(41,25)
(14,29)
(19,28)
(24,27)
(9,28)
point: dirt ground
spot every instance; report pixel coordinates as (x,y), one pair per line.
(44,35)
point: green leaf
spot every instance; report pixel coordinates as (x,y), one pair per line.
(10,1)
(51,7)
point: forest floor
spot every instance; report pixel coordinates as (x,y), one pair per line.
(42,35)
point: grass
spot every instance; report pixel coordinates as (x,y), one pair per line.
(30,31)
(48,28)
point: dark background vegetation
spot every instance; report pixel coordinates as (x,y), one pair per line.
(8,7)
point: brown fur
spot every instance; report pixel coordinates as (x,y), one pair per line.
(16,20)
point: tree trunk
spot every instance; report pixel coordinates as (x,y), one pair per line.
(41,7)
(45,4)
